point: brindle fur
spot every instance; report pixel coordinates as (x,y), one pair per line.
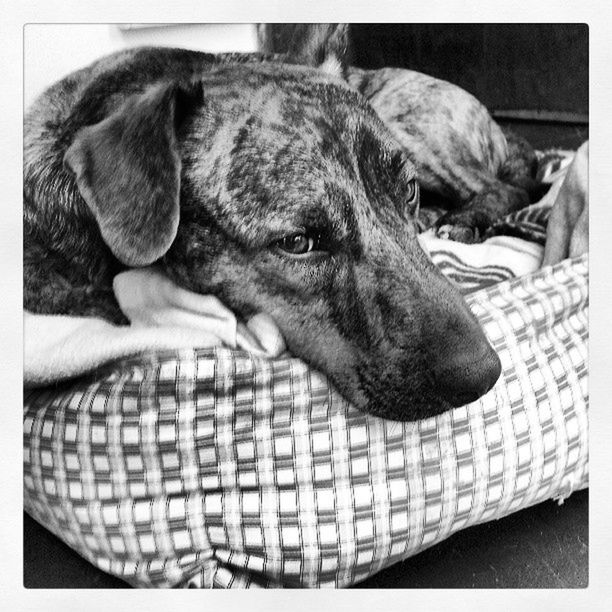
(171,156)
(464,161)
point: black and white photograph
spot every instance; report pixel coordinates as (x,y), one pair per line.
(306,305)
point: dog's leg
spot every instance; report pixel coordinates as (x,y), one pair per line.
(470,223)
(513,188)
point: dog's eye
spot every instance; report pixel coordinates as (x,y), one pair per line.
(412,198)
(412,192)
(298,244)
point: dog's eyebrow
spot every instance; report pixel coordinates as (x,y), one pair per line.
(379,151)
(314,217)
(286,220)
(401,166)
(384,169)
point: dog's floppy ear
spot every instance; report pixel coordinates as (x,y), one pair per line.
(127,169)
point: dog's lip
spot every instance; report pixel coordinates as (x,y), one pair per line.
(433,405)
(406,409)
(400,403)
(433,408)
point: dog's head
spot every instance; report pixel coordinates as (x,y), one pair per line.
(279,190)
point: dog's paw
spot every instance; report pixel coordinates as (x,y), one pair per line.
(467,226)
(458,233)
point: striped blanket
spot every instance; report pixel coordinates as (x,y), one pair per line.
(217,467)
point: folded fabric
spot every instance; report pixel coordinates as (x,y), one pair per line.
(149,299)
(162,315)
(474,266)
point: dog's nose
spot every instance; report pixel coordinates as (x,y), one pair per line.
(468,374)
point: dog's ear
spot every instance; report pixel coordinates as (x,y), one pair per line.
(127,169)
(323,45)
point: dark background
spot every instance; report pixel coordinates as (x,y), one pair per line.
(536,66)
(515,69)
(518,71)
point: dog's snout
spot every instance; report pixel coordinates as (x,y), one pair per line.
(468,374)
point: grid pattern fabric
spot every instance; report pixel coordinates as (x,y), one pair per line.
(216,468)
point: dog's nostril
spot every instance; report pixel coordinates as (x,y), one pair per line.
(468,375)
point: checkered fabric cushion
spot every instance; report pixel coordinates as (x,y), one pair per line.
(215,468)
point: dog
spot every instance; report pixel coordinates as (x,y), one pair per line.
(465,162)
(273,186)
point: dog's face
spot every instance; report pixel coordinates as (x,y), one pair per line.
(294,201)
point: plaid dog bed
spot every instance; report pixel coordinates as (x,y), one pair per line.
(217,468)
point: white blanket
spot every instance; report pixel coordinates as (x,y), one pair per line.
(162,316)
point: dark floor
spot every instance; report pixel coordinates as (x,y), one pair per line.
(48,563)
(542,547)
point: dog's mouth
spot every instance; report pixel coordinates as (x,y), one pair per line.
(417,389)
(395,406)
(398,398)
